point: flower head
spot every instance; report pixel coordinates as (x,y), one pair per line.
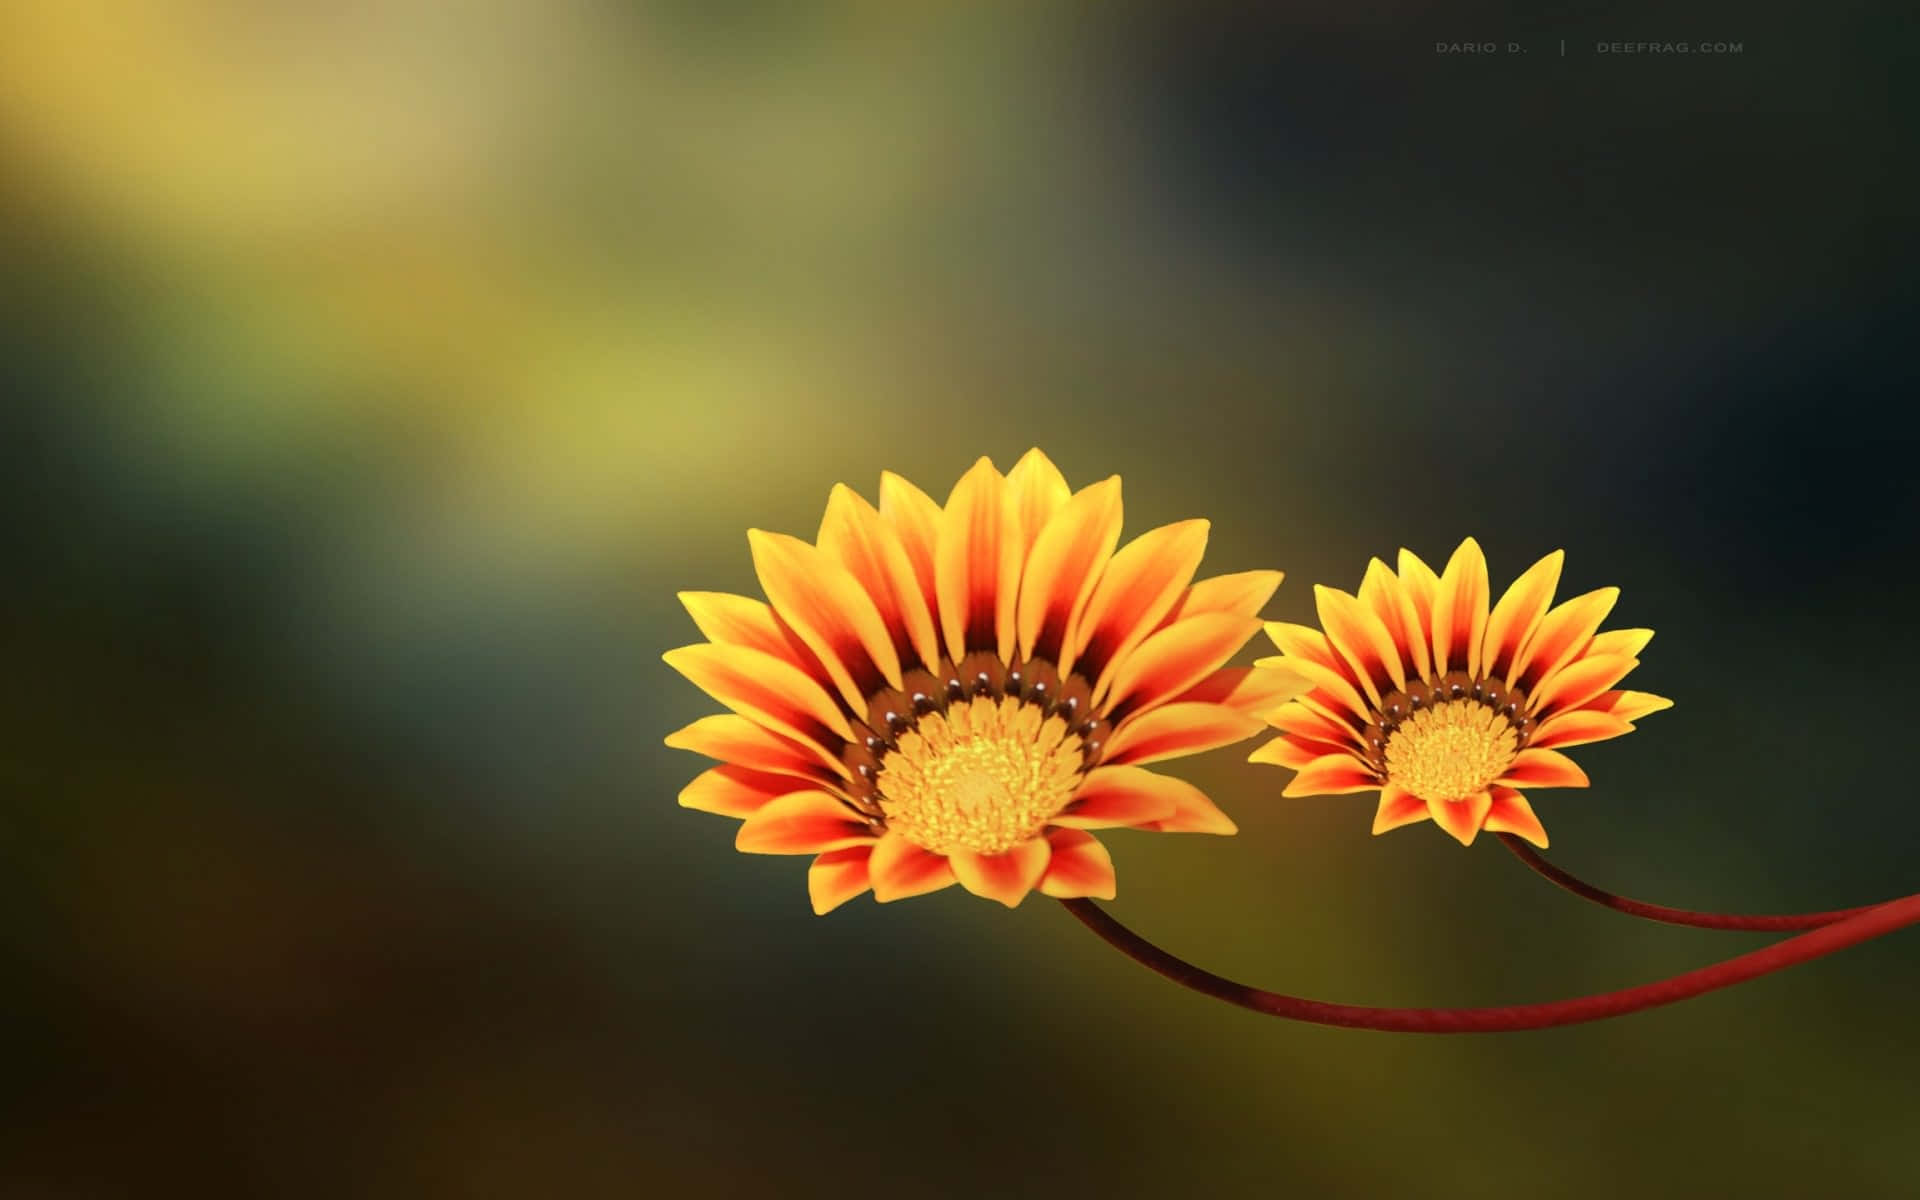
(1448,708)
(952,693)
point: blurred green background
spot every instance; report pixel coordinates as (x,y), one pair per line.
(374,375)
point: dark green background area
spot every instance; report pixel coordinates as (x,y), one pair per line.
(347,488)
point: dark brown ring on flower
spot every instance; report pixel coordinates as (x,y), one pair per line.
(1455,686)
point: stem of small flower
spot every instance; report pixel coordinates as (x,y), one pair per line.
(1675,916)
(1875,921)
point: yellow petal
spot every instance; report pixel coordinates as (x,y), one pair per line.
(1079,866)
(901,869)
(1460,611)
(1578,682)
(763,688)
(1420,584)
(1519,613)
(1004,877)
(1383,592)
(916,521)
(1512,814)
(826,608)
(1332,683)
(1245,593)
(1173,660)
(1177,729)
(853,534)
(733,791)
(1139,586)
(977,565)
(744,621)
(1193,813)
(1255,691)
(1562,636)
(1332,775)
(1361,640)
(1577,728)
(1630,706)
(1397,808)
(1113,796)
(1064,567)
(1627,642)
(1035,491)
(1461,818)
(1543,768)
(837,877)
(732,738)
(1290,751)
(802,823)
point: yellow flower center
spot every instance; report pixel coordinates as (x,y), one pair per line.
(1450,751)
(983,775)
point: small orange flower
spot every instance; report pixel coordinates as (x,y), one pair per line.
(958,694)
(1448,709)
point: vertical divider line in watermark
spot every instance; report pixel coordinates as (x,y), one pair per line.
(1563,47)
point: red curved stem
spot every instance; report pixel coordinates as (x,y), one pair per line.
(1883,918)
(1675,916)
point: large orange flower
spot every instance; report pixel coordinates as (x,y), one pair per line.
(939,694)
(1444,707)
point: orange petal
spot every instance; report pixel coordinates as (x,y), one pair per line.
(976,564)
(1079,866)
(1245,593)
(1579,682)
(1064,567)
(1519,613)
(1461,818)
(1113,796)
(854,535)
(1361,640)
(731,791)
(1629,706)
(916,521)
(1294,751)
(1139,586)
(802,823)
(1397,807)
(1383,592)
(828,610)
(766,689)
(1420,584)
(1035,491)
(1255,691)
(1193,813)
(1563,635)
(732,738)
(1300,717)
(1176,729)
(1512,814)
(837,877)
(1460,611)
(1629,642)
(743,621)
(1543,768)
(1332,775)
(1174,659)
(1304,642)
(1577,728)
(901,869)
(1331,682)
(1004,877)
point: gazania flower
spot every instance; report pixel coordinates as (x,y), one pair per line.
(1448,709)
(938,694)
